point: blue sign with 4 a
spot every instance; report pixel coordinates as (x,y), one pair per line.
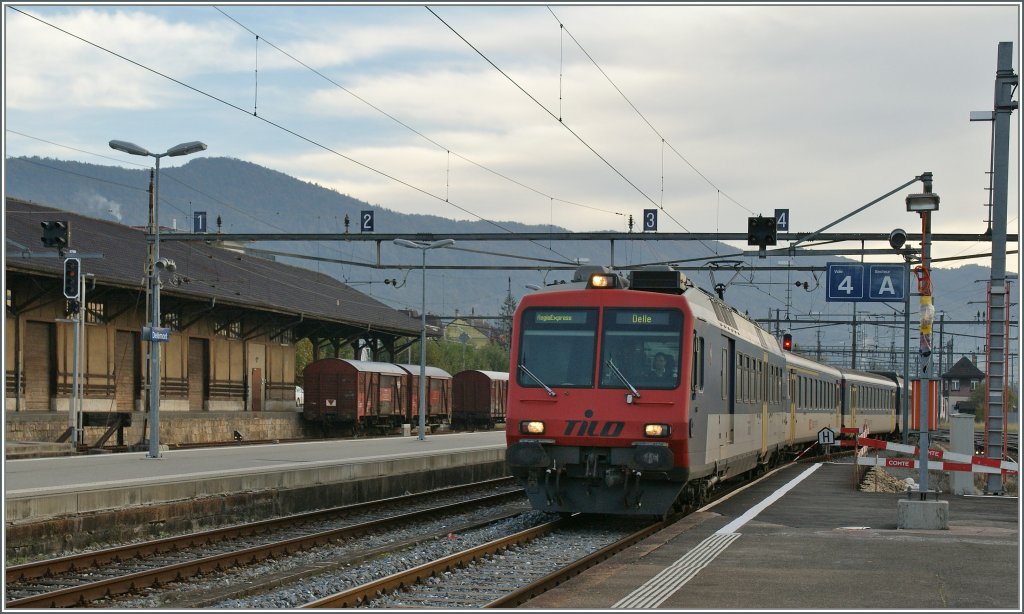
(854,282)
(845,282)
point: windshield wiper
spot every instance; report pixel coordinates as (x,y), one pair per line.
(551,392)
(622,377)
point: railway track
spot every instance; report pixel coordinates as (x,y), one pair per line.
(86,578)
(502,573)
(509,571)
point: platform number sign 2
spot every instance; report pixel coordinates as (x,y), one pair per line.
(366,221)
(650,219)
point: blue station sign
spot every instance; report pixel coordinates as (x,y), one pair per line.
(861,282)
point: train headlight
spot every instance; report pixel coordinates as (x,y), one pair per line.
(604,280)
(657,430)
(531,427)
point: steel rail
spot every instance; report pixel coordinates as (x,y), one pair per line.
(85,593)
(521,596)
(367,592)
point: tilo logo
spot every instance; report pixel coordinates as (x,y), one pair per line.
(593,428)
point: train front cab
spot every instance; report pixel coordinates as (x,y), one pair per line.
(590,427)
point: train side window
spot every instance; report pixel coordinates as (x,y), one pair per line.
(750,378)
(741,376)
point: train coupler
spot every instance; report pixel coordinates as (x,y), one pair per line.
(632,499)
(553,495)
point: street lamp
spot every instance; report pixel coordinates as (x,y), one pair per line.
(423,315)
(925,204)
(183,149)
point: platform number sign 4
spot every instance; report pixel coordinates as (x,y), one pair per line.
(366,221)
(782,220)
(856,281)
(650,219)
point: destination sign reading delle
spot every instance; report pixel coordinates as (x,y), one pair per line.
(642,318)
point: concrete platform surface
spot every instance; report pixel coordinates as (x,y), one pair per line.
(38,476)
(819,545)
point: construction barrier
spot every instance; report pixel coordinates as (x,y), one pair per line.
(908,463)
(939,460)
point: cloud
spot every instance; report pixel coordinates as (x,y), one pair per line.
(819,109)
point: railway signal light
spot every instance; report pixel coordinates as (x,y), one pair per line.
(56,233)
(761,231)
(787,342)
(72,269)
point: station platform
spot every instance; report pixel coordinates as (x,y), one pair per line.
(820,545)
(55,504)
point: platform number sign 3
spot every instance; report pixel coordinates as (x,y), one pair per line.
(650,219)
(366,221)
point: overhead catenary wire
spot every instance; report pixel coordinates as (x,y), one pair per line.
(281,127)
(664,141)
(409,127)
(546,110)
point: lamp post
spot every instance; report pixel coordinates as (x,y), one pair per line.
(423,247)
(924,204)
(182,149)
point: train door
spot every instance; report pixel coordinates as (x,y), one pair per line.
(763,379)
(853,404)
(731,387)
(793,395)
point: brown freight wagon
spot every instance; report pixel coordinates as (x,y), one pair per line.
(479,399)
(439,397)
(354,395)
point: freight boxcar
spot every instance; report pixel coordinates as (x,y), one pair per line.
(439,397)
(354,395)
(479,399)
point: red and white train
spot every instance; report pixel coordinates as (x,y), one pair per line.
(638,395)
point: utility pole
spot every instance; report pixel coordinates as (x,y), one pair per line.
(997,333)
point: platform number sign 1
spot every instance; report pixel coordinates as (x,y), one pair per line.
(366,221)
(650,219)
(199,222)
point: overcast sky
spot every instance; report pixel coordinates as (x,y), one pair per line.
(575,116)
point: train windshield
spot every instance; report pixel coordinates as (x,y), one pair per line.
(644,345)
(557,348)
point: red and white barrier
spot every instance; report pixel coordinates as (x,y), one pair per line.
(940,455)
(909,463)
(945,461)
